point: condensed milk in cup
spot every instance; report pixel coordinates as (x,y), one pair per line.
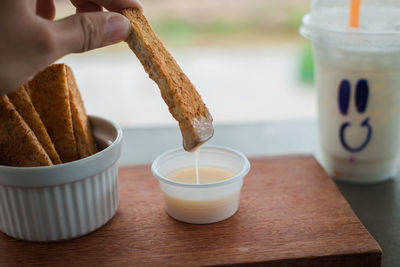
(213,199)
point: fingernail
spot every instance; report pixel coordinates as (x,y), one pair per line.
(117,28)
(139,5)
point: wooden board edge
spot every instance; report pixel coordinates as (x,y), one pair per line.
(369,259)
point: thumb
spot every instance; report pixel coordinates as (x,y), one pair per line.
(86,31)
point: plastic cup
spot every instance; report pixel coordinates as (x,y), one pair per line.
(201,203)
(357,75)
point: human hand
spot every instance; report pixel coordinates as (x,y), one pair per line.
(30,40)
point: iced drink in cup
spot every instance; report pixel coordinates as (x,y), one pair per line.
(357,72)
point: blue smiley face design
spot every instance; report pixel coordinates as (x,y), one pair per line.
(361,101)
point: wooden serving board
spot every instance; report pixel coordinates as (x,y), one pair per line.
(291,213)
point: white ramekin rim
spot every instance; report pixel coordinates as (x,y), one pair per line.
(240,175)
(65,172)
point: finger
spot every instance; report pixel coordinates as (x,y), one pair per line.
(112,5)
(46,9)
(86,31)
(88,7)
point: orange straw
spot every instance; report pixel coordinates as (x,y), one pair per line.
(354,13)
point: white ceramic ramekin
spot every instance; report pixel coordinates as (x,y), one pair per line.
(201,203)
(63,201)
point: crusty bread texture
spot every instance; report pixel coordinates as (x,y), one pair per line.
(184,102)
(45,122)
(50,97)
(18,144)
(85,142)
(23,104)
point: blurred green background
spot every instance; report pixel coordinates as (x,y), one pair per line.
(222,22)
(231,50)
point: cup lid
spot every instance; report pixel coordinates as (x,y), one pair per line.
(379,24)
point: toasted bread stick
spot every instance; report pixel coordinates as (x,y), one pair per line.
(23,104)
(18,144)
(50,96)
(184,102)
(85,141)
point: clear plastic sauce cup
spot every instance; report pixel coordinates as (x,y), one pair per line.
(201,203)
